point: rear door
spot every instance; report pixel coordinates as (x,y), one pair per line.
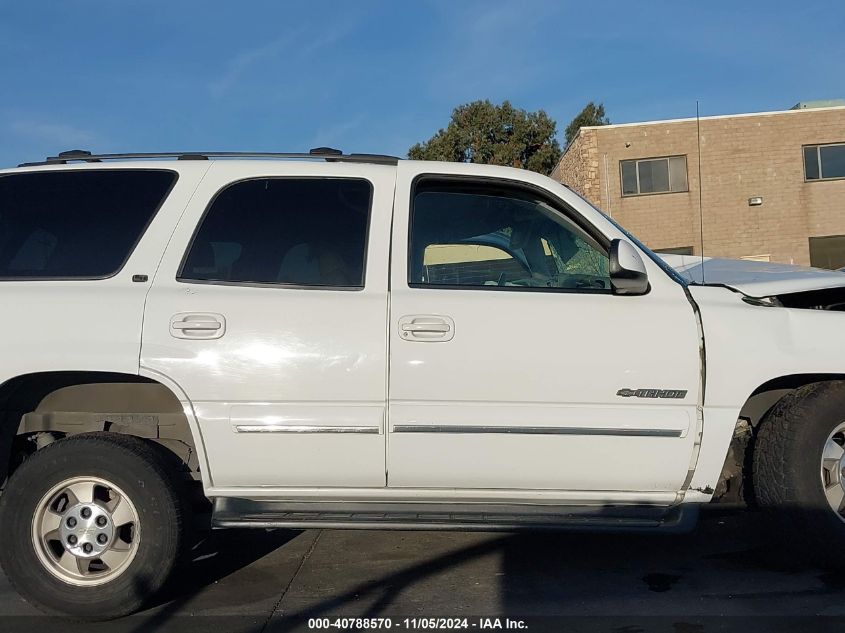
(513,365)
(270,311)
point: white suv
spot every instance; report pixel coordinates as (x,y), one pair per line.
(328,340)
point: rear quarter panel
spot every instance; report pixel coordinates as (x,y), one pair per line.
(88,325)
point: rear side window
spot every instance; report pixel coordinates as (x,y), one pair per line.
(308,232)
(75,224)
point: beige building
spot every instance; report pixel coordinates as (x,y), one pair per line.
(773,183)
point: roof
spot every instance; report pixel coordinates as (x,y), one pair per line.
(804,109)
(819,103)
(717,117)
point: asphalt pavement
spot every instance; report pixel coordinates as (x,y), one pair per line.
(723,576)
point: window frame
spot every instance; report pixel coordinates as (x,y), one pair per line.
(637,162)
(557,204)
(133,247)
(817,147)
(260,284)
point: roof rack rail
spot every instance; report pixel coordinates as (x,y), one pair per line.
(325,153)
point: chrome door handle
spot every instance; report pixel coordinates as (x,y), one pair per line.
(426,327)
(432,328)
(197,325)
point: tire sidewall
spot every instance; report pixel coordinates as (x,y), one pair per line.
(794,441)
(159,528)
(828,412)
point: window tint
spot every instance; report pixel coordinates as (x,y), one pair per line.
(489,236)
(75,224)
(824,162)
(654,175)
(299,231)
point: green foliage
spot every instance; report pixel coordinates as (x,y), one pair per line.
(480,132)
(592,114)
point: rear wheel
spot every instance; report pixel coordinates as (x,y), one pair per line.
(799,468)
(92,525)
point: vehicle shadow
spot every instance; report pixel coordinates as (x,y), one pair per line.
(219,554)
(728,566)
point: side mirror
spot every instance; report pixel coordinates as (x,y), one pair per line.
(627,271)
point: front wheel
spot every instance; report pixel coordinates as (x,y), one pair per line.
(799,468)
(91,525)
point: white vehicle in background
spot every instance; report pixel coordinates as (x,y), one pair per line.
(355,341)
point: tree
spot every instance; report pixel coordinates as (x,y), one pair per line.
(480,132)
(592,114)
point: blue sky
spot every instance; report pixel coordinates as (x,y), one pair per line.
(373,76)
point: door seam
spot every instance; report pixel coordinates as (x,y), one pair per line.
(389,325)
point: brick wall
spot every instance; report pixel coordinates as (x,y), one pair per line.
(742,156)
(579,166)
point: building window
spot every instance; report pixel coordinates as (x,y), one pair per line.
(677,250)
(824,162)
(827,252)
(654,175)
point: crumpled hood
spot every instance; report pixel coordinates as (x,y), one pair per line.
(755,279)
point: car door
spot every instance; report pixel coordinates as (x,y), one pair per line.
(513,365)
(269,310)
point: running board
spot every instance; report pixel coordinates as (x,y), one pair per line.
(231,512)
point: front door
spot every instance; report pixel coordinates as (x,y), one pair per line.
(269,310)
(512,363)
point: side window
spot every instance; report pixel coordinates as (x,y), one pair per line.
(488,236)
(286,231)
(79,224)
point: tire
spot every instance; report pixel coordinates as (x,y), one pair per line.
(791,478)
(129,483)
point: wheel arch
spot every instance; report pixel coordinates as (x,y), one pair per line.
(766,395)
(734,479)
(41,406)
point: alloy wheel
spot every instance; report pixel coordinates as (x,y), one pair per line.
(85,531)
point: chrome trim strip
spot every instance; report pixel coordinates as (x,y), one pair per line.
(534,430)
(304,428)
